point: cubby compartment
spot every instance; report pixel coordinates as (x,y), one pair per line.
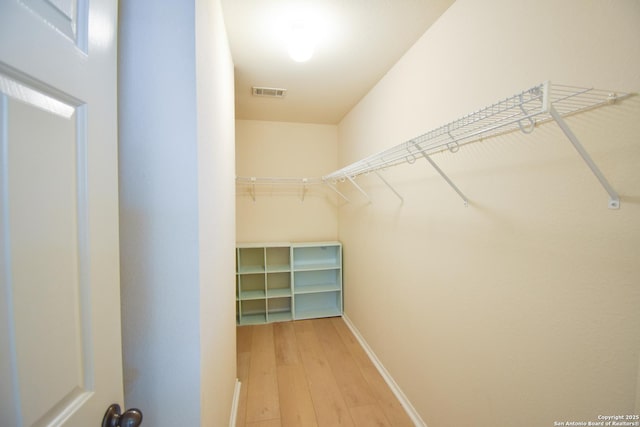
(279,284)
(279,309)
(319,304)
(253,311)
(278,259)
(251,260)
(311,257)
(251,286)
(309,281)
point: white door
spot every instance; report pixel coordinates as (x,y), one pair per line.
(60,345)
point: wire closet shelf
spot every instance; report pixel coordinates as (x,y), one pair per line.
(522,111)
(253,181)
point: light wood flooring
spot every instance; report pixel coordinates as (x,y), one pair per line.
(311,373)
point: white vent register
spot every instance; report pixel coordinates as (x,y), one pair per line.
(268,92)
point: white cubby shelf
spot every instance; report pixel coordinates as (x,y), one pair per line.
(277,282)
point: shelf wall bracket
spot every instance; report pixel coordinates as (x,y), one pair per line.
(390,187)
(614,199)
(446,178)
(253,188)
(359,188)
(333,187)
(304,189)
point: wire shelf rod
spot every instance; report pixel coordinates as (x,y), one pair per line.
(398,155)
(521,111)
(252,181)
(277,180)
(472,122)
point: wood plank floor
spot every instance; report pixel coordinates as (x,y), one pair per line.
(311,373)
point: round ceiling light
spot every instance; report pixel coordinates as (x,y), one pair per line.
(302,41)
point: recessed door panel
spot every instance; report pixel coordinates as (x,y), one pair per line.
(44,256)
(66,16)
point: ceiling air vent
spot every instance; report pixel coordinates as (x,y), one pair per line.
(270,92)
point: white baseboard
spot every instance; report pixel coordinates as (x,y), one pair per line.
(234,404)
(406,404)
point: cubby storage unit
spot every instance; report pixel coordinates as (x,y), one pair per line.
(284,281)
(263,283)
(317,279)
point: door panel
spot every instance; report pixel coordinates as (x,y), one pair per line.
(49,293)
(59,277)
(63,15)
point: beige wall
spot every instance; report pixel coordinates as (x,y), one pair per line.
(279,213)
(521,309)
(176,169)
(216,187)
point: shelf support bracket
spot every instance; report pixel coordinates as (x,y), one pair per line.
(446,178)
(614,199)
(359,188)
(253,188)
(333,187)
(304,189)
(390,187)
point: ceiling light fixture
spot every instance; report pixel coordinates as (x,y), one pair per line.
(302,41)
